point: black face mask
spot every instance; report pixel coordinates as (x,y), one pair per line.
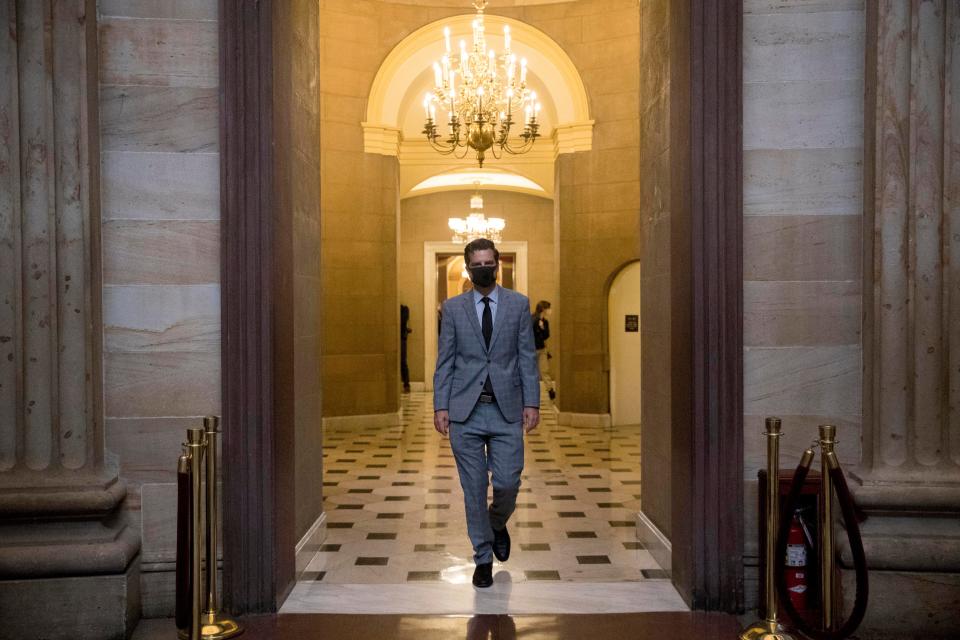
(483,276)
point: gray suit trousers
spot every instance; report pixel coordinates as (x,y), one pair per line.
(486,441)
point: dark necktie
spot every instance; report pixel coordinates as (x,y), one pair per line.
(487,327)
(487,324)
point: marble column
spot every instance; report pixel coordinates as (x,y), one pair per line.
(909,479)
(66,557)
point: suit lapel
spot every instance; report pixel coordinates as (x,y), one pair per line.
(470,310)
(501,316)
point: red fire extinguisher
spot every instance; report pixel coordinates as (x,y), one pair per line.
(796,566)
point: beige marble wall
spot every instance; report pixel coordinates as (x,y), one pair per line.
(598,191)
(359,203)
(424,218)
(803,138)
(161,298)
(598,230)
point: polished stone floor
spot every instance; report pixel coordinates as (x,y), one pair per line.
(643,626)
(395,508)
(396,540)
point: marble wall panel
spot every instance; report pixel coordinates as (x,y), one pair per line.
(784,47)
(162,384)
(801,313)
(604,81)
(346,21)
(147,448)
(175,9)
(160,186)
(158,52)
(785,247)
(161,252)
(160,206)
(343,109)
(148,118)
(798,432)
(611,24)
(619,44)
(803,115)
(354,397)
(820,380)
(563,29)
(159,508)
(803,181)
(800,6)
(178,318)
(616,106)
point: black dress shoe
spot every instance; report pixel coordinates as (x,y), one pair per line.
(483,575)
(501,544)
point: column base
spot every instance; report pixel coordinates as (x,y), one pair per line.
(94,607)
(905,605)
(911,539)
(69,560)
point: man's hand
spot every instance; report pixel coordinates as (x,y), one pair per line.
(441,421)
(531,418)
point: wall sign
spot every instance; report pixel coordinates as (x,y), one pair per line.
(632,324)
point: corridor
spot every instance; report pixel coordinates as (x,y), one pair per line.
(395,517)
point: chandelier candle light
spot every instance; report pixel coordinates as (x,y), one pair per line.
(476,225)
(479,90)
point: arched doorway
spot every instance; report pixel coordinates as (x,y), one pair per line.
(623,345)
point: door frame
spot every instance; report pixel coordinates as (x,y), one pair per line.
(430,251)
(707,398)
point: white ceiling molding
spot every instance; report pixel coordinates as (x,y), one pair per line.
(489,179)
(573,137)
(418,161)
(382,139)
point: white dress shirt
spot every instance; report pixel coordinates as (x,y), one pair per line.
(478,304)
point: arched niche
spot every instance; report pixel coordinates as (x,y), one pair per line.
(392,126)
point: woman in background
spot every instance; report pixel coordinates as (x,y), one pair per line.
(541,332)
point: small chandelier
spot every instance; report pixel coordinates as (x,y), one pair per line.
(476,225)
(479,91)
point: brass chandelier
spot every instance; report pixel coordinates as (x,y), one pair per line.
(476,225)
(479,90)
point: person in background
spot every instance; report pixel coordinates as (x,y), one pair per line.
(404,330)
(541,332)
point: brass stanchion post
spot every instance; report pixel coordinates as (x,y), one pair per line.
(828,435)
(216,626)
(195,446)
(769,628)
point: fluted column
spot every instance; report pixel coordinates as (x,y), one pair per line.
(66,557)
(51,419)
(908,483)
(912,294)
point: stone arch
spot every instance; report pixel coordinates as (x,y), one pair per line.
(413,56)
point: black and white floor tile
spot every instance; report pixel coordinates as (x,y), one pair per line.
(395,508)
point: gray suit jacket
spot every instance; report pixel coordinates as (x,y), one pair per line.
(463,362)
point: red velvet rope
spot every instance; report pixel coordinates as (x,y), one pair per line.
(848,511)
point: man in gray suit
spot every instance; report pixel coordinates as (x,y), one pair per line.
(486,395)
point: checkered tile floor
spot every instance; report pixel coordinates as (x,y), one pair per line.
(395,508)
